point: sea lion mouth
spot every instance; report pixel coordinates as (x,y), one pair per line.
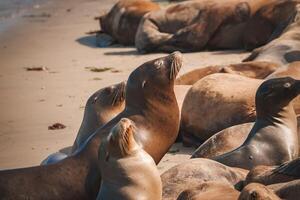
(176,64)
(119,94)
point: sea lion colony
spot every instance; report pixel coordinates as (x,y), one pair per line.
(241,117)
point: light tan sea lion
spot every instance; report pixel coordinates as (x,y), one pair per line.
(216,102)
(212,24)
(273,139)
(122,21)
(283,50)
(268,175)
(128,172)
(190,174)
(258,70)
(256,191)
(212,190)
(150,104)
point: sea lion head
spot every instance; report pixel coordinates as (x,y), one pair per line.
(256,191)
(274,94)
(109,98)
(154,79)
(120,141)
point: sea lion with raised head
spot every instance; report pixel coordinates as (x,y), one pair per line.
(150,104)
(256,191)
(190,174)
(273,139)
(212,105)
(128,172)
(258,70)
(212,190)
(268,175)
(122,21)
(100,108)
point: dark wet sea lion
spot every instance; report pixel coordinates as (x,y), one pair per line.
(212,105)
(268,175)
(191,174)
(258,70)
(128,172)
(122,21)
(256,191)
(288,191)
(273,139)
(212,190)
(150,104)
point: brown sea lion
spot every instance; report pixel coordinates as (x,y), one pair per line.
(128,172)
(273,139)
(258,70)
(212,24)
(283,50)
(216,102)
(190,174)
(212,190)
(268,175)
(100,108)
(150,104)
(122,21)
(256,191)
(288,191)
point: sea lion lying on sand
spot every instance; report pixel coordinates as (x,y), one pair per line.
(122,21)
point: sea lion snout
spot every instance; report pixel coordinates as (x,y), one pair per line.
(126,124)
(175,60)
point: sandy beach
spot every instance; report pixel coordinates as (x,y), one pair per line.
(53,35)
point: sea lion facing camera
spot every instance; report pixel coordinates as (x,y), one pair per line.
(123,19)
(273,139)
(150,104)
(128,172)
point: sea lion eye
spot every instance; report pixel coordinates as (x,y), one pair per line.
(287,85)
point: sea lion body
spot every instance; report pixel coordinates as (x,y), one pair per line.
(273,139)
(123,19)
(289,190)
(216,102)
(258,70)
(213,190)
(128,172)
(150,104)
(190,174)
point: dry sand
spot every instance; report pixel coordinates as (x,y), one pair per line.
(53,36)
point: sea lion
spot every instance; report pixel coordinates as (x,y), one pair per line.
(268,22)
(212,190)
(258,70)
(268,175)
(122,21)
(212,105)
(188,26)
(273,139)
(288,191)
(100,108)
(283,50)
(128,172)
(196,25)
(190,174)
(256,191)
(150,104)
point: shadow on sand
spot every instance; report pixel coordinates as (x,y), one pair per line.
(89,41)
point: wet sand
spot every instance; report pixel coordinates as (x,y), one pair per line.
(53,36)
